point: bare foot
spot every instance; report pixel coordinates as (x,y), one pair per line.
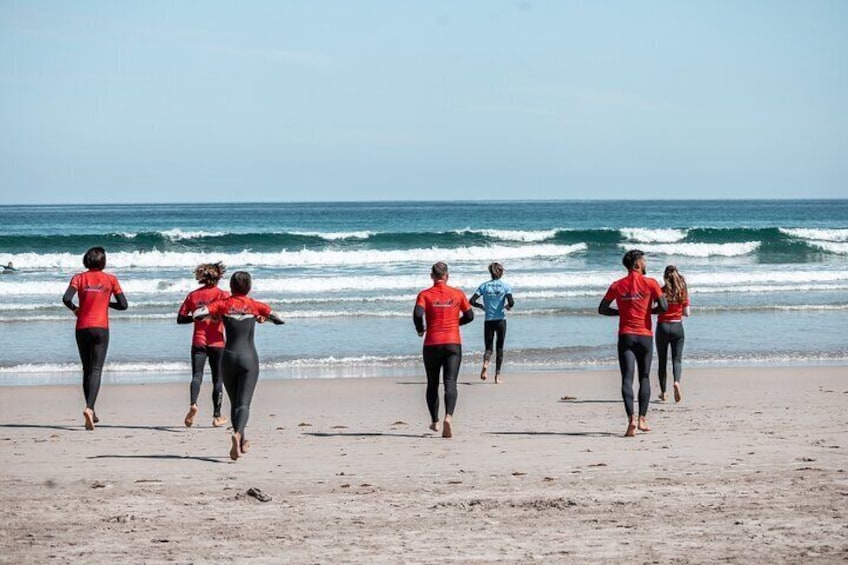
(235,448)
(434,426)
(484,373)
(88,414)
(446,431)
(631,428)
(663,397)
(678,392)
(643,424)
(96,419)
(245,446)
(498,378)
(192,412)
(219,421)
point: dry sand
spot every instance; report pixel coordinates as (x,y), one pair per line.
(752,467)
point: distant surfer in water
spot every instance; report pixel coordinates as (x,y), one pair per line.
(9,268)
(95,289)
(497,300)
(207,340)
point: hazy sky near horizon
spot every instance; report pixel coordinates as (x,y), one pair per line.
(187,101)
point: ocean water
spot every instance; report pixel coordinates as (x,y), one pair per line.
(768,280)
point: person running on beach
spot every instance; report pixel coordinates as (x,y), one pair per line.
(637,297)
(240,362)
(207,339)
(497,300)
(445,309)
(670,330)
(95,289)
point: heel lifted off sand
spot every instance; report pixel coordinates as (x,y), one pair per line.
(88,414)
(192,412)
(235,448)
(447,432)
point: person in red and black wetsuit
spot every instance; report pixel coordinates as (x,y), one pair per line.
(637,297)
(207,339)
(445,309)
(95,289)
(670,330)
(241,362)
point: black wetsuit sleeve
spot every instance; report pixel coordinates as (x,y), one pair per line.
(185,319)
(510,302)
(662,306)
(604,308)
(120,302)
(467,317)
(474,302)
(418,319)
(68,298)
(274,317)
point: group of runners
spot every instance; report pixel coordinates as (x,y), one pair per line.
(224,325)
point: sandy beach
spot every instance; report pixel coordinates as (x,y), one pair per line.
(750,467)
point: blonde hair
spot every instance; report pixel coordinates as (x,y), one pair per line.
(675,289)
(209,273)
(496,270)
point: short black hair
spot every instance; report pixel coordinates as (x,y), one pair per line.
(95,259)
(630,258)
(240,282)
(439,270)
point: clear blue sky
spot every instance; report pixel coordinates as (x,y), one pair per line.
(185,101)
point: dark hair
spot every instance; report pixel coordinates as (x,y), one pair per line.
(95,259)
(496,270)
(630,258)
(240,282)
(209,273)
(439,270)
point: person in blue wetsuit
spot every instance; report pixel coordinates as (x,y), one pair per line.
(497,300)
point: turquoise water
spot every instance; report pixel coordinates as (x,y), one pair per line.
(768,280)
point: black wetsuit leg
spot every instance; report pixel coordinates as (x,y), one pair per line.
(216,359)
(634,353)
(494,329)
(670,334)
(500,335)
(198,360)
(240,370)
(92,344)
(444,359)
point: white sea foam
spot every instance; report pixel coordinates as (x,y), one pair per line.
(840,248)
(835,234)
(525,236)
(643,235)
(699,249)
(334,236)
(177,234)
(303,258)
(24,295)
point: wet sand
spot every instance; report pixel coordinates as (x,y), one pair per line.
(752,467)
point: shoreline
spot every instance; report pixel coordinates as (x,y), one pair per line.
(749,468)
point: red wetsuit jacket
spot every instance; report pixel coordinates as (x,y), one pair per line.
(443,306)
(239,306)
(674,312)
(95,289)
(634,294)
(208,332)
